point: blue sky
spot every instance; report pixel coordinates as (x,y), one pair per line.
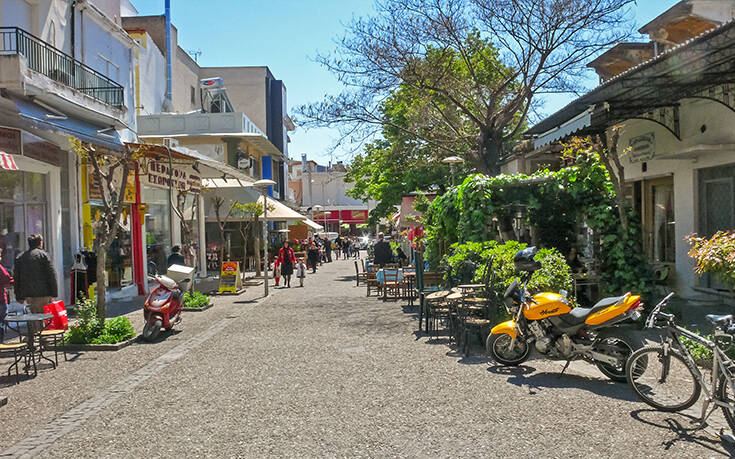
(285,35)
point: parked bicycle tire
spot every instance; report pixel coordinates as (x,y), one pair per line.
(641,377)
(725,393)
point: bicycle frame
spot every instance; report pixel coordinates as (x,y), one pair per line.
(721,364)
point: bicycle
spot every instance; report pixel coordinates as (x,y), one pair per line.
(669,369)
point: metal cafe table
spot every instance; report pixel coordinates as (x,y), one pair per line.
(39,321)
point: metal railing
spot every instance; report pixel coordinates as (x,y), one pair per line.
(49,61)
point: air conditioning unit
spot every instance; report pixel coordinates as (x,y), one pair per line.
(245,162)
(170,143)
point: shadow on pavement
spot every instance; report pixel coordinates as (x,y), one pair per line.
(684,428)
(524,375)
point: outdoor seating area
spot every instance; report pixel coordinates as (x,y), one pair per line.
(463,312)
(28,339)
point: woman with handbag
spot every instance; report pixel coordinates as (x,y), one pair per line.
(286,260)
(6,280)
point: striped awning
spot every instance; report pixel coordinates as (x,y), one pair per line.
(7,162)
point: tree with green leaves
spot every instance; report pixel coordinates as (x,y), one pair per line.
(473,68)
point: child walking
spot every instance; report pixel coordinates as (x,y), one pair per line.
(301,271)
(277,271)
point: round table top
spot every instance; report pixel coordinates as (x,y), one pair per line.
(437,295)
(454,296)
(28,317)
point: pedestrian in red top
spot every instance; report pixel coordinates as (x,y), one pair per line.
(287,260)
(6,280)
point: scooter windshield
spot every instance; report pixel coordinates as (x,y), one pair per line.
(160,296)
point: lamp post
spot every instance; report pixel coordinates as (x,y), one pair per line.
(452,160)
(263,185)
(318,208)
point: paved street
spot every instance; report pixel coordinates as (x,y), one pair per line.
(325,371)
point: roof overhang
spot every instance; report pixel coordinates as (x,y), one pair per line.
(651,90)
(256,140)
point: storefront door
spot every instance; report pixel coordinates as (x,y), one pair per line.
(22,212)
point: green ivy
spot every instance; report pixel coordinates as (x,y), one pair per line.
(555,203)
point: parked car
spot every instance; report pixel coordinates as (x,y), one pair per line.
(364,242)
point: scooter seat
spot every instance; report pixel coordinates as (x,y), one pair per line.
(578,315)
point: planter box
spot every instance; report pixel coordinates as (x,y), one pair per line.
(97,347)
(217,293)
(198,309)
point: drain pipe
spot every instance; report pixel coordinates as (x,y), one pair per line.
(169,89)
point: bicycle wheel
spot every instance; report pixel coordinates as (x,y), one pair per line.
(725,393)
(663,382)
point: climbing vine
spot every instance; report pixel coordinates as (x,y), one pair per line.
(552,203)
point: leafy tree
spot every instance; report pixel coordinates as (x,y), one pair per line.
(111,170)
(473,66)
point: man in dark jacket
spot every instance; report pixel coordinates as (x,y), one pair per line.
(35,277)
(175,258)
(383,253)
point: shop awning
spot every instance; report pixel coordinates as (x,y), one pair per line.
(281,212)
(7,162)
(44,118)
(698,68)
(313,225)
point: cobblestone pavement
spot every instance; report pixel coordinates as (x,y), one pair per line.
(324,371)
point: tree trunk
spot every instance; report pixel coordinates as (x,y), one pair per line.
(491,148)
(101,289)
(258,251)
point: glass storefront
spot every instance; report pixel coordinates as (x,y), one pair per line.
(158,228)
(23,204)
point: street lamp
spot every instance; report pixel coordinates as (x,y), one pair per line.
(263,185)
(452,160)
(318,208)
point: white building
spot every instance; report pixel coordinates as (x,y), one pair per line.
(66,69)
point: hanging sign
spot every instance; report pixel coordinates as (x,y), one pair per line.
(183,177)
(642,148)
(229,277)
(10,142)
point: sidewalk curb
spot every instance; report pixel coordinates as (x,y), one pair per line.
(98,347)
(198,309)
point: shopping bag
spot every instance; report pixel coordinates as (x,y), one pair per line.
(59,321)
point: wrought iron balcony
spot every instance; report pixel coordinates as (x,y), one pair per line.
(60,67)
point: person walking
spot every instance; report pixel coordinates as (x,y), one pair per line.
(345,247)
(312,257)
(328,249)
(35,276)
(301,271)
(383,252)
(356,247)
(6,280)
(287,260)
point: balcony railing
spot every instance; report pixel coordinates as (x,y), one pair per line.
(49,61)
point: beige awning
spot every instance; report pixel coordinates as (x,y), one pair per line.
(313,225)
(280,212)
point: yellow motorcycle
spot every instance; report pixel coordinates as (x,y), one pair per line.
(560,331)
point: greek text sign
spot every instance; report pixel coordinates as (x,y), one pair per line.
(642,148)
(182,177)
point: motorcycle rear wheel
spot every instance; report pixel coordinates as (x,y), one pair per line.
(498,347)
(152,329)
(617,374)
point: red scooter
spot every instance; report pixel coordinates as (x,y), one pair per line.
(163,306)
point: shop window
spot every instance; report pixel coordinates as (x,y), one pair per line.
(22,212)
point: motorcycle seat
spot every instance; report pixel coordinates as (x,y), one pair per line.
(716,319)
(578,315)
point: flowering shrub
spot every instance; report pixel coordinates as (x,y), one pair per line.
(715,255)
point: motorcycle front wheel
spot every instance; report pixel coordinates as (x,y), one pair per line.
(503,350)
(152,329)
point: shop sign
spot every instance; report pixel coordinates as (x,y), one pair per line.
(41,150)
(10,141)
(642,148)
(229,277)
(94,187)
(182,177)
